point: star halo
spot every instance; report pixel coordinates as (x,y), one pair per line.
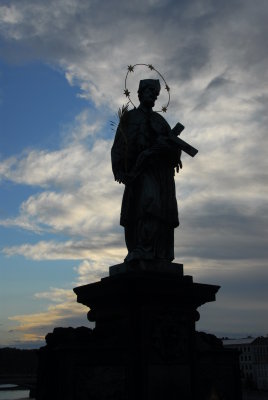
(131,68)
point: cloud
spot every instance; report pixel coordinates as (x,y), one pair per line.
(10,15)
(56,312)
(215,61)
(56,295)
(78,176)
(99,248)
(241,299)
(197,40)
(64,312)
(247,283)
(80,198)
(66,167)
(63,309)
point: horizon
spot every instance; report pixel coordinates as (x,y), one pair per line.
(37,347)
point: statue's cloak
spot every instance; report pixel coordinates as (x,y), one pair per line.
(151,190)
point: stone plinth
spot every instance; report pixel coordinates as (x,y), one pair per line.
(146,316)
(144,345)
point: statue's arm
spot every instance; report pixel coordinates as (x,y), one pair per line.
(167,148)
(117,155)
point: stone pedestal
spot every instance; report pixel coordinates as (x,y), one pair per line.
(144,345)
(146,314)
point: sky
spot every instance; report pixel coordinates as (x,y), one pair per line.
(62,70)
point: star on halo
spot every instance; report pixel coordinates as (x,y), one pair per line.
(126,92)
(132,68)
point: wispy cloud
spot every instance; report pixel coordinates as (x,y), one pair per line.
(215,61)
(78,175)
(63,309)
(100,247)
(66,312)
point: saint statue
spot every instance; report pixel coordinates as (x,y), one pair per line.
(144,158)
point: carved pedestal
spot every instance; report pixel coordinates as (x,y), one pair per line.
(144,345)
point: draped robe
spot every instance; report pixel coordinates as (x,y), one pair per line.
(142,155)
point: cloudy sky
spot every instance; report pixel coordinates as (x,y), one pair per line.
(62,70)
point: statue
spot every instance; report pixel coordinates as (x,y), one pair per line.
(144,154)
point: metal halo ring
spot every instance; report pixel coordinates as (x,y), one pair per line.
(130,68)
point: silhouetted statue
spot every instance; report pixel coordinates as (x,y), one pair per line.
(144,155)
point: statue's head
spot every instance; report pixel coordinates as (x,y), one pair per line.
(148,92)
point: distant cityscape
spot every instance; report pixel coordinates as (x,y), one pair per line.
(253,360)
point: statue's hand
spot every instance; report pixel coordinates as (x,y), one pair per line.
(121,178)
(179,165)
(178,161)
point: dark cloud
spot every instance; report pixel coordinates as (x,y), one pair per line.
(215,59)
(187,39)
(222,230)
(218,83)
(191,60)
(219,86)
(241,300)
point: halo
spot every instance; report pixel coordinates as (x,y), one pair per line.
(130,69)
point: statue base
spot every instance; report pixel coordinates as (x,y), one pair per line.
(164,267)
(144,345)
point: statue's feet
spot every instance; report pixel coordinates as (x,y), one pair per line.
(139,254)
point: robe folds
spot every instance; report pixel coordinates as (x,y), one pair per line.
(144,160)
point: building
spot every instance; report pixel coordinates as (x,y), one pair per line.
(260,365)
(253,360)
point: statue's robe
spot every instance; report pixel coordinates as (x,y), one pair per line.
(149,210)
